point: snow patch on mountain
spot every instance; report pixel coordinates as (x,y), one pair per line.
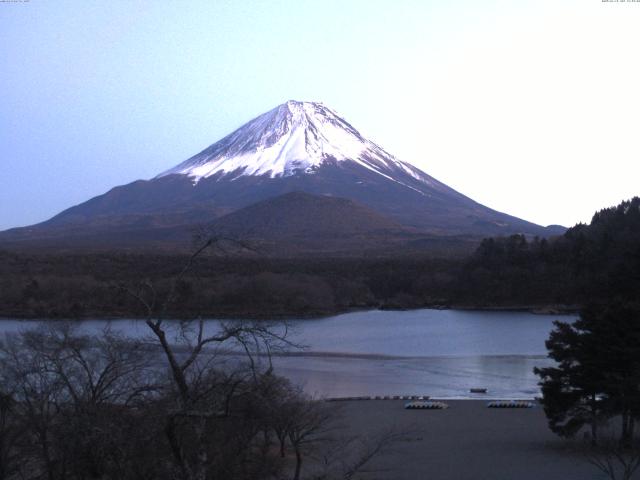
(293,138)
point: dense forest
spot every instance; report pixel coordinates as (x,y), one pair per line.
(587,262)
(76,286)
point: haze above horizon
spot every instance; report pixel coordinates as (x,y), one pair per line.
(529,108)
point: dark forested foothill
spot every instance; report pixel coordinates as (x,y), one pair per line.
(599,260)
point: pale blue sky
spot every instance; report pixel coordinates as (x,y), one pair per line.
(529,107)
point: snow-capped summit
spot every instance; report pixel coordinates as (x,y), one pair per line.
(293,138)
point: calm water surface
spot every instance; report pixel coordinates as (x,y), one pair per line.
(442,353)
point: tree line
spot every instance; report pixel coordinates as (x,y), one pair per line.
(87,285)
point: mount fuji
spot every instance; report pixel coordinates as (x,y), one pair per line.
(296,147)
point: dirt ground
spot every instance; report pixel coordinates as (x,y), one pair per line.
(467,441)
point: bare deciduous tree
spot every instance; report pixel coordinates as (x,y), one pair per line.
(349,456)
(10,434)
(615,459)
(197,407)
(69,392)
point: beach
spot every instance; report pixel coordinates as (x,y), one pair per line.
(467,441)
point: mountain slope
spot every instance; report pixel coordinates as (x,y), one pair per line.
(300,223)
(299,214)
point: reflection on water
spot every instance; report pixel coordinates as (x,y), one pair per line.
(445,377)
(441,353)
(429,333)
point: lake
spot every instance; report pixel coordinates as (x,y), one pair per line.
(441,353)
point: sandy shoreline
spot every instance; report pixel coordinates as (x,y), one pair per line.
(467,441)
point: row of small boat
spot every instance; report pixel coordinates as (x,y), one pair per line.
(510,404)
(380,397)
(426,406)
(429,405)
